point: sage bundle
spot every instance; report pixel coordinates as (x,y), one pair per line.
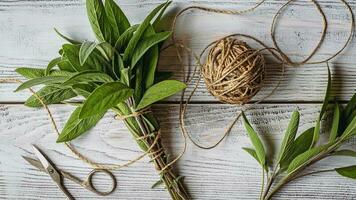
(297,154)
(117,73)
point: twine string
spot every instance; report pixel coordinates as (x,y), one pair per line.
(275,51)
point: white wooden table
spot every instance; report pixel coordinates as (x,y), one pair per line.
(226,172)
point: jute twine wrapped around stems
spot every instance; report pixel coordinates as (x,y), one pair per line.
(234,72)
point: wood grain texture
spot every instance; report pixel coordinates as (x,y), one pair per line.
(28,39)
(225,172)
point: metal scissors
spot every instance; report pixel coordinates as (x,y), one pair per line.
(45,164)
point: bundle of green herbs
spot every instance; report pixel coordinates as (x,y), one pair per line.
(297,154)
(118,73)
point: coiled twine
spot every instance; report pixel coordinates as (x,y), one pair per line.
(234,72)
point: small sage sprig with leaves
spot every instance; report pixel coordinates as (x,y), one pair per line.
(118,73)
(298,153)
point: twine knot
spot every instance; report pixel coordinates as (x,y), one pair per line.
(233,72)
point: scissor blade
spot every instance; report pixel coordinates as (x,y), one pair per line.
(35,163)
(41,157)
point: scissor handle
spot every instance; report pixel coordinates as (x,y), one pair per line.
(91,186)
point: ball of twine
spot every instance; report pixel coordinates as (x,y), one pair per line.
(233,72)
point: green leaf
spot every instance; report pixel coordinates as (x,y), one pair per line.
(157,21)
(345,152)
(85,50)
(253,153)
(66,38)
(116,17)
(76,126)
(146,43)
(117,65)
(350,130)
(50,95)
(84,89)
(138,82)
(106,50)
(306,157)
(162,75)
(156,184)
(335,123)
(125,38)
(289,137)
(41,80)
(160,91)
(98,20)
(350,107)
(140,30)
(52,64)
(323,109)
(299,146)
(349,172)
(256,142)
(124,76)
(104,97)
(88,76)
(94,62)
(30,73)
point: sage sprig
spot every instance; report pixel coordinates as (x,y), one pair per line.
(117,72)
(297,154)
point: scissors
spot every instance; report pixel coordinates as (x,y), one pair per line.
(44,164)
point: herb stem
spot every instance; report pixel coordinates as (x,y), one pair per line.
(263,183)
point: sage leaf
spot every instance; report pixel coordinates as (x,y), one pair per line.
(299,146)
(94,62)
(157,21)
(146,43)
(350,107)
(104,97)
(65,65)
(66,38)
(140,30)
(289,137)
(106,50)
(117,65)
(30,73)
(76,126)
(49,95)
(345,152)
(52,64)
(253,153)
(306,157)
(349,172)
(335,123)
(116,17)
(323,109)
(160,91)
(157,183)
(88,76)
(97,19)
(138,82)
(84,89)
(85,50)
(350,130)
(41,80)
(256,142)
(150,60)
(125,38)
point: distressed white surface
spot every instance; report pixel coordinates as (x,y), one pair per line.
(28,39)
(225,172)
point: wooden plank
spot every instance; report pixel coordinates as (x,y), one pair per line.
(28,39)
(225,172)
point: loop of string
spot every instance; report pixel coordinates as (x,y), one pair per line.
(275,51)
